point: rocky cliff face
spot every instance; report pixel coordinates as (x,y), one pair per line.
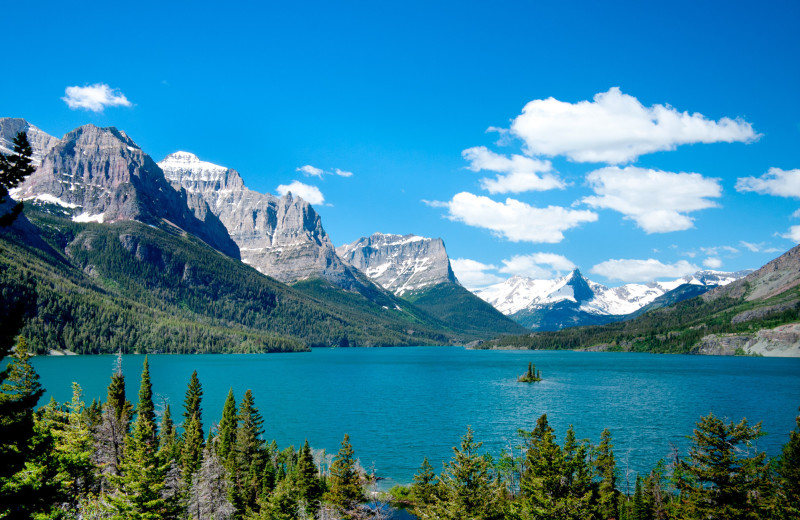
(280,237)
(400,263)
(775,277)
(100,175)
(40,141)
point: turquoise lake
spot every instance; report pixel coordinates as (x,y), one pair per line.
(401,404)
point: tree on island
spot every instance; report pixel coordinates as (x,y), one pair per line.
(531,376)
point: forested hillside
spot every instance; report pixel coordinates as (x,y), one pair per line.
(92,288)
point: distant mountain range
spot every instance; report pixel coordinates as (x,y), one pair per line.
(574,300)
(758,314)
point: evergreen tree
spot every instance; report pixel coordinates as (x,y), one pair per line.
(192,448)
(13,169)
(227,427)
(73,448)
(307,482)
(19,392)
(345,492)
(639,508)
(192,403)
(249,450)
(467,487)
(168,446)
(606,467)
(789,475)
(723,474)
(141,480)
(423,491)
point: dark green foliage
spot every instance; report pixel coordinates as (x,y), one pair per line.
(128,287)
(606,468)
(346,490)
(723,475)
(307,482)
(423,491)
(192,409)
(227,427)
(168,442)
(463,312)
(20,441)
(13,169)
(531,376)
(249,451)
(467,487)
(142,472)
(789,474)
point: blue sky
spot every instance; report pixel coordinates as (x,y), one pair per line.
(670,142)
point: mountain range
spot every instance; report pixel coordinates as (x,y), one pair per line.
(97,202)
(758,314)
(574,300)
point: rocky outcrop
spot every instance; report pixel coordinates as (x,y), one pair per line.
(280,237)
(400,263)
(41,142)
(101,175)
(783,341)
(775,277)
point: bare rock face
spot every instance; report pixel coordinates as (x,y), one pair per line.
(100,175)
(400,263)
(280,237)
(782,341)
(775,277)
(40,141)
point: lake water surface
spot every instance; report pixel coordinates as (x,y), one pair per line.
(401,404)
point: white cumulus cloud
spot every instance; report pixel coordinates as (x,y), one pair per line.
(342,173)
(537,265)
(630,270)
(793,234)
(310,194)
(473,274)
(310,171)
(94,97)
(781,183)
(657,201)
(616,128)
(712,262)
(515,220)
(522,173)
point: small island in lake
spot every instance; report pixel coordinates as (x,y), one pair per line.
(531,376)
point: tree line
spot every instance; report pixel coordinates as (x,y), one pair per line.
(117,460)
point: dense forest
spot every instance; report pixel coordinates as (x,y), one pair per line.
(92,288)
(116,460)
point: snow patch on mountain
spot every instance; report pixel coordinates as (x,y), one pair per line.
(400,263)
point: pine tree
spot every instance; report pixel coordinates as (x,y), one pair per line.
(192,448)
(468,488)
(345,492)
(142,472)
(227,427)
(723,473)
(19,392)
(608,500)
(307,482)
(789,475)
(13,169)
(192,403)
(168,447)
(639,509)
(249,450)
(423,491)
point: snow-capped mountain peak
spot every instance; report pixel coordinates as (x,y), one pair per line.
(400,263)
